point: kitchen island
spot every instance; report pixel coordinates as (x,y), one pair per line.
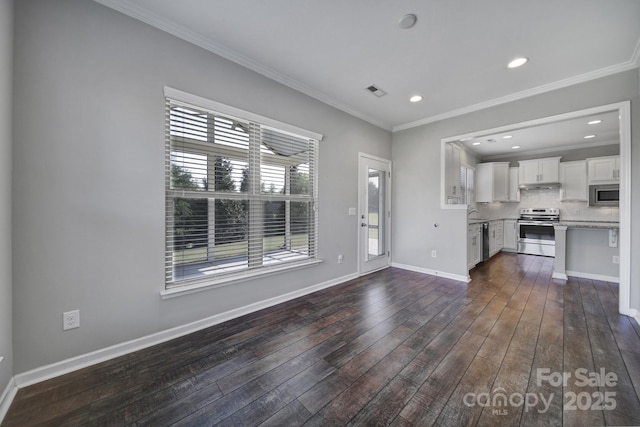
(587,249)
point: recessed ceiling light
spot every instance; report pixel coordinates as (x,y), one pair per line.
(407,21)
(518,62)
(515,147)
(415,98)
(507,136)
(589,136)
(476,143)
(594,122)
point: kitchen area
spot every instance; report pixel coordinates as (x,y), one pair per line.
(554,202)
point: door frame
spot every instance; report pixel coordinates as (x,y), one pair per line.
(626,195)
(361,196)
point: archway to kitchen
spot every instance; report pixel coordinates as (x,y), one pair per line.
(620,112)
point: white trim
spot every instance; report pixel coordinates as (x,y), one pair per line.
(361,201)
(635,58)
(127,7)
(233,279)
(635,314)
(592,276)
(540,121)
(625,208)
(557,275)
(7,398)
(581,78)
(624,109)
(237,113)
(69,365)
(458,277)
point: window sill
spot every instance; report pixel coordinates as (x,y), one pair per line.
(230,280)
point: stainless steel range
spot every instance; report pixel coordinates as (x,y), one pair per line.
(536,232)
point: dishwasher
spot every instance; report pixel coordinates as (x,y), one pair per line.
(485,241)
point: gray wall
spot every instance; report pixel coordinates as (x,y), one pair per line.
(6,67)
(588,251)
(89,177)
(416,156)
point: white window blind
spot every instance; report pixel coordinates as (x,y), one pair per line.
(241,196)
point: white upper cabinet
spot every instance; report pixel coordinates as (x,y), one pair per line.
(492,182)
(452,174)
(528,172)
(604,170)
(539,171)
(514,190)
(573,178)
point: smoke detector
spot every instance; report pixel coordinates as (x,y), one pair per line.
(407,21)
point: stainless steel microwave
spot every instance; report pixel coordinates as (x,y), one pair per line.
(604,195)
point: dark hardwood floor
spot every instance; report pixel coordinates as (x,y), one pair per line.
(391,348)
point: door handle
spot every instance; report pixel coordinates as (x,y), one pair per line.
(363,224)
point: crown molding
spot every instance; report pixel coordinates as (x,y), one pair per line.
(134,11)
(635,58)
(581,78)
(129,8)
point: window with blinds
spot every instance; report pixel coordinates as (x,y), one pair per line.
(241,196)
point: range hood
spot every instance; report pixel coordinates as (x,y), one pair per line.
(539,186)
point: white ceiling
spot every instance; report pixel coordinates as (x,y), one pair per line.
(547,138)
(455,56)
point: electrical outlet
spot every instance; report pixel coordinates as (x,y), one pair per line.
(434,253)
(616,259)
(71,320)
(340,258)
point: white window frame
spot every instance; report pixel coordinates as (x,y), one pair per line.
(173,288)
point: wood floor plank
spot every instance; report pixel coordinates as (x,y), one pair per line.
(426,405)
(395,347)
(463,407)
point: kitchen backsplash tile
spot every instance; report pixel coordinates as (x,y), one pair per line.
(547,198)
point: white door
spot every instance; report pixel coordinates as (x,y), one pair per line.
(374,210)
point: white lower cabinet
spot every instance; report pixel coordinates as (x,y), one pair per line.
(510,235)
(496,241)
(474,245)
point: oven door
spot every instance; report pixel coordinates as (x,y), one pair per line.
(536,238)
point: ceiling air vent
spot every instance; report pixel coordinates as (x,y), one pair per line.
(376,91)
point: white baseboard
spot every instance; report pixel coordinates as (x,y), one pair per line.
(591,276)
(7,397)
(69,365)
(458,277)
(635,314)
(557,275)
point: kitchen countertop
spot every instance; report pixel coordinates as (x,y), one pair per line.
(591,224)
(569,223)
(480,220)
